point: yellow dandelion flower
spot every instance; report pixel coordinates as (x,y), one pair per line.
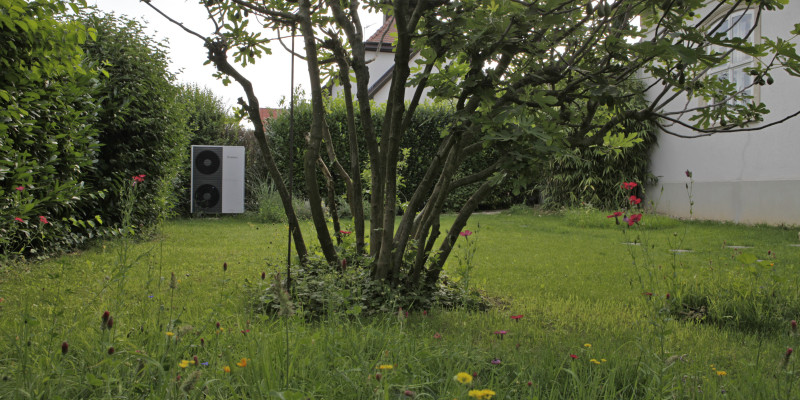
(242,363)
(712,365)
(603,360)
(594,361)
(385,366)
(721,373)
(463,377)
(481,394)
(226,369)
(170,334)
(184,363)
(587,345)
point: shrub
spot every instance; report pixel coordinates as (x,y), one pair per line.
(319,290)
(589,174)
(270,208)
(47,142)
(419,145)
(143,127)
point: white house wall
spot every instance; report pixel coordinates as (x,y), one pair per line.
(377,68)
(743,177)
(382,95)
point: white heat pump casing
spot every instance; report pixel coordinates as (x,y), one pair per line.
(218,190)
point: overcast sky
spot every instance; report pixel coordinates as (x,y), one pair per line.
(270,75)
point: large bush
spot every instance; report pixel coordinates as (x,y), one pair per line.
(47,142)
(143,126)
(588,174)
(420,143)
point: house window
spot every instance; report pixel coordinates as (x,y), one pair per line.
(738,24)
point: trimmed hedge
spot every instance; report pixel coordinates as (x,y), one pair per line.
(47,142)
(421,140)
(142,124)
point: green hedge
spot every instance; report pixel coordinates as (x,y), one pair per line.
(47,142)
(142,124)
(421,140)
(589,174)
(72,138)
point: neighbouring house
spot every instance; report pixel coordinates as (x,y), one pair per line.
(380,58)
(269,113)
(749,177)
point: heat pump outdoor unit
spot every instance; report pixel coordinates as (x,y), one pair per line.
(218,179)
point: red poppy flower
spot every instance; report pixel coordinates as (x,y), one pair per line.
(465,233)
(516,317)
(574,357)
(43,219)
(634,218)
(20,188)
(18,219)
(345,232)
(615,214)
(634,200)
(629,185)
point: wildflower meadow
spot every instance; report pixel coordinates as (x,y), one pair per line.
(582,304)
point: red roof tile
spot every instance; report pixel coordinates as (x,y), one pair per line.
(269,113)
(384,32)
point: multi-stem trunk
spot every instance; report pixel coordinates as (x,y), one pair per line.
(315,136)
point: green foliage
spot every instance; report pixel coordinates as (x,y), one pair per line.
(590,171)
(567,299)
(142,124)
(742,293)
(210,123)
(48,144)
(321,290)
(270,207)
(418,145)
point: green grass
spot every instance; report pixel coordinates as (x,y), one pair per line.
(570,274)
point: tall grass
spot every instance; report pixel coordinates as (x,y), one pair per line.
(572,281)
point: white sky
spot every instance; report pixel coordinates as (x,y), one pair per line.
(270,75)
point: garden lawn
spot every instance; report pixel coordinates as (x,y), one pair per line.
(596,318)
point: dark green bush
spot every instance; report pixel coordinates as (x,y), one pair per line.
(319,289)
(421,140)
(588,174)
(142,125)
(47,142)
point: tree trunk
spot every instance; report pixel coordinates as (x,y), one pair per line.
(218,56)
(315,137)
(452,235)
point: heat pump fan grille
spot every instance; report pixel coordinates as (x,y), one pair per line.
(207,162)
(206,196)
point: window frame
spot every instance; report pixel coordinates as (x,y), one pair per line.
(731,66)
